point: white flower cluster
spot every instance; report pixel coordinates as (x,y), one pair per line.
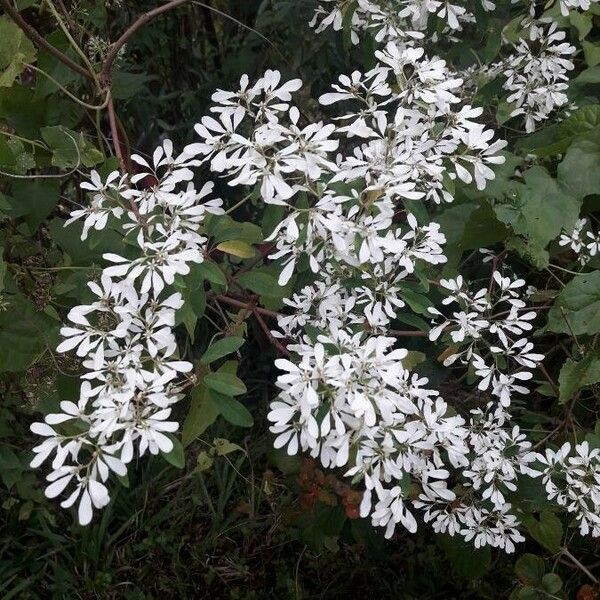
(353,235)
(486,334)
(537,74)
(566,6)
(582,240)
(573,481)
(349,401)
(394,19)
(125,335)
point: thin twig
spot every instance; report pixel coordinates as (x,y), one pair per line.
(38,40)
(73,43)
(246,305)
(407,333)
(274,341)
(64,90)
(551,381)
(114,131)
(585,570)
(50,176)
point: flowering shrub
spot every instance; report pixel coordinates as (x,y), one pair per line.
(425,190)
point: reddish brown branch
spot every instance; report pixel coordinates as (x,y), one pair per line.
(407,333)
(278,345)
(246,305)
(258,313)
(138,23)
(39,41)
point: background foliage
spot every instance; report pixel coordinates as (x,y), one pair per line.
(231,518)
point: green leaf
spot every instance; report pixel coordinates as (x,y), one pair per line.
(591,52)
(552,583)
(584,123)
(237,248)
(582,22)
(233,410)
(260,283)
(15,52)
(203,462)
(202,414)
(575,375)
(176,457)
(538,210)
(34,200)
(221,348)
(223,447)
(548,531)
(504,111)
(579,172)
(530,568)
(467,561)
(63,144)
(577,307)
(223,228)
(69,148)
(225,383)
(212,272)
(419,303)
(126,85)
(25,333)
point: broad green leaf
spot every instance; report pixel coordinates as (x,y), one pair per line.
(202,414)
(582,22)
(530,568)
(575,375)
(69,148)
(233,410)
(15,52)
(25,333)
(588,76)
(548,531)
(176,457)
(591,52)
(260,283)
(579,171)
(552,583)
(223,228)
(412,359)
(221,348)
(126,85)
(237,248)
(64,145)
(212,272)
(467,561)
(538,211)
(503,112)
(34,200)
(55,68)
(584,123)
(225,383)
(577,307)
(419,303)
